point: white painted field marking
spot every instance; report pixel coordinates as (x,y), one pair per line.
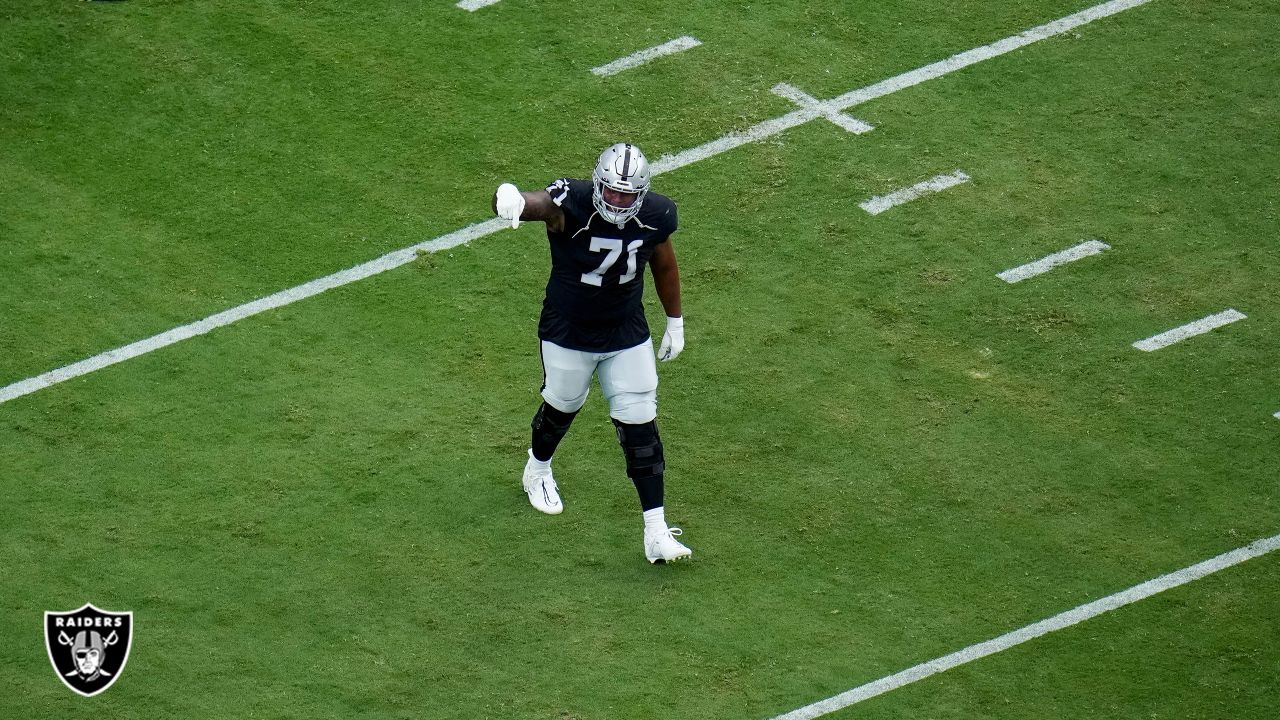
(1045,264)
(1030,632)
(896,83)
(1199,327)
(474,5)
(880,203)
(665,164)
(799,97)
(240,312)
(1277,416)
(670,47)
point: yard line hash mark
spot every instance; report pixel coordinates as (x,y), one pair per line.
(1182,332)
(474,5)
(804,100)
(1060,621)
(635,59)
(1045,264)
(667,163)
(880,203)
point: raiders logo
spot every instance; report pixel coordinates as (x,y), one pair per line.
(88,647)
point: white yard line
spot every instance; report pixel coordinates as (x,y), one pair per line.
(803,99)
(665,164)
(635,59)
(474,5)
(896,83)
(1045,264)
(226,317)
(1030,632)
(1199,327)
(880,203)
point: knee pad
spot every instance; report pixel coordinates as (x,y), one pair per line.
(634,408)
(643,449)
(549,427)
(550,424)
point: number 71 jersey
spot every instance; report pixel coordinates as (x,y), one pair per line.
(594,296)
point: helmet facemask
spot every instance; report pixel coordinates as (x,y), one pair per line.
(623,168)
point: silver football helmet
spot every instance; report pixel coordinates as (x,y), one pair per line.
(623,168)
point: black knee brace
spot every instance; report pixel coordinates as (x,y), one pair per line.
(643,448)
(549,427)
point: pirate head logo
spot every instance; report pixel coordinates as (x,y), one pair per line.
(88,647)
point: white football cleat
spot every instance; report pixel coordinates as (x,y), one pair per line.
(541,488)
(664,546)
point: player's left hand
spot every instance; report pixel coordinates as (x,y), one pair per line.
(672,340)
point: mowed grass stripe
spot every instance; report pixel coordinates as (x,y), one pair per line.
(482,229)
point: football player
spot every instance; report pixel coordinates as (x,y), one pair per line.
(603,232)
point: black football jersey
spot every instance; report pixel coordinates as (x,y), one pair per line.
(593,300)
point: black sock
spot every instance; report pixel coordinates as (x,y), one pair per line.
(650,491)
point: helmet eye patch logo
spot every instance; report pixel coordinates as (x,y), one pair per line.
(88,647)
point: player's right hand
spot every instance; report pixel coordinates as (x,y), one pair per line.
(672,340)
(509,203)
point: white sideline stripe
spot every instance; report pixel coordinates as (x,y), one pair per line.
(896,83)
(1030,632)
(803,99)
(666,163)
(880,203)
(669,47)
(474,5)
(1199,327)
(1045,264)
(240,312)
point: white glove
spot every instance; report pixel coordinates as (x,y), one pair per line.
(510,203)
(672,340)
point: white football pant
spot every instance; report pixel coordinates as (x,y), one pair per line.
(628,379)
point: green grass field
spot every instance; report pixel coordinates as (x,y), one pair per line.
(879,452)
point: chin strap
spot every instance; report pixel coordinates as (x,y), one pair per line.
(596,214)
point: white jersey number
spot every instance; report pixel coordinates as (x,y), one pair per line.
(614,246)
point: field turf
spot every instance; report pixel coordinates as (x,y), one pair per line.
(879,452)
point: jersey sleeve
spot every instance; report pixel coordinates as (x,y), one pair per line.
(559,191)
(667,222)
